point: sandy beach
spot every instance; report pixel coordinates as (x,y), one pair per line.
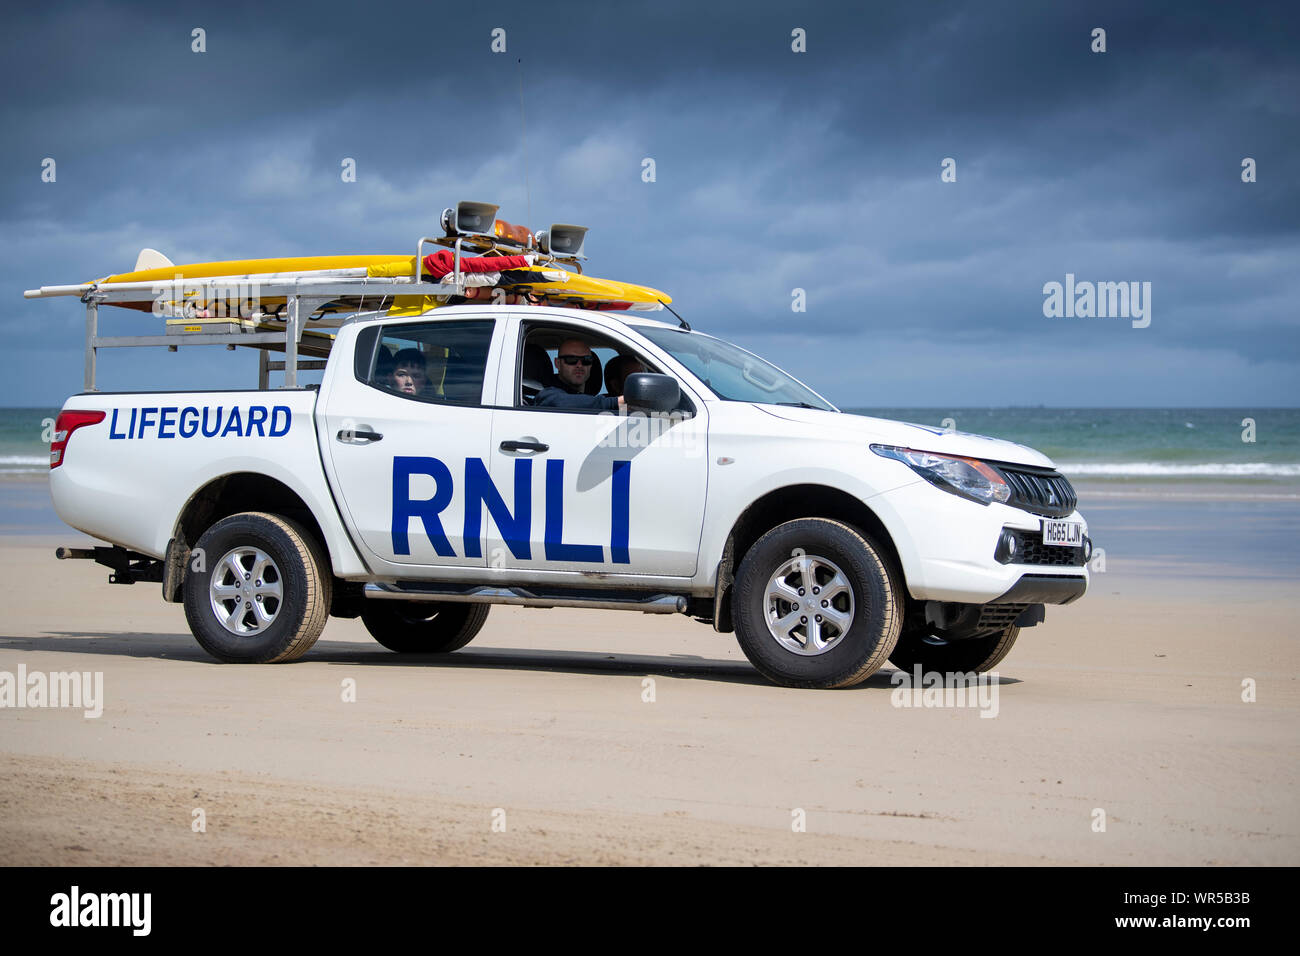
(536,744)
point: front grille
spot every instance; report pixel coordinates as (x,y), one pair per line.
(1040,491)
(1031,550)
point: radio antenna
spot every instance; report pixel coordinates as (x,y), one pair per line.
(684,324)
(523,122)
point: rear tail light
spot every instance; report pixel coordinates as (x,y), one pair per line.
(67,423)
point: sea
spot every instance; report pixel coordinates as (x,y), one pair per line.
(1176,444)
(1231,445)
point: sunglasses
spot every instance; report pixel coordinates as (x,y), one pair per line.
(578,359)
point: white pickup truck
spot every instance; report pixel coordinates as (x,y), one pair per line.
(723,489)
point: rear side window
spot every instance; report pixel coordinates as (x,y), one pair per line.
(441,362)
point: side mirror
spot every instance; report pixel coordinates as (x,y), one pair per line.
(652,392)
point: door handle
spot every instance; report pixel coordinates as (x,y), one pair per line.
(357,436)
(524,446)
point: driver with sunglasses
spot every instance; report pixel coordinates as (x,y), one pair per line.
(572,369)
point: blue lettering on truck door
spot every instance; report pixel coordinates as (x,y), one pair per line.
(556,549)
(265,423)
(427,510)
(480,490)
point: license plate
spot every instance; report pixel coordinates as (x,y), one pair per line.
(1067,534)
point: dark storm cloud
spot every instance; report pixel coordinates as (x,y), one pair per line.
(775,170)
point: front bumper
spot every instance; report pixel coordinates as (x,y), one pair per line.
(946,546)
(1045,589)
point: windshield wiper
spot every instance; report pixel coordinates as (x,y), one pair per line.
(801,405)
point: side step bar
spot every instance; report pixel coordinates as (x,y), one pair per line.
(609,601)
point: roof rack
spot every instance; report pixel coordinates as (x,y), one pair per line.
(469,226)
(303,297)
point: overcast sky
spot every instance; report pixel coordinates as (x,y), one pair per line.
(775,170)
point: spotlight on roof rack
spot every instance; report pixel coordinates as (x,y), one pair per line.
(469,219)
(563,240)
(509,233)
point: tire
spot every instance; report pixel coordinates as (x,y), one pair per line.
(262,635)
(834,653)
(934,654)
(424,627)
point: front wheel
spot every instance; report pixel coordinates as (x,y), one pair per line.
(977,654)
(816,605)
(263,594)
(424,627)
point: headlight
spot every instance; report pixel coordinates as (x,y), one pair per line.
(964,477)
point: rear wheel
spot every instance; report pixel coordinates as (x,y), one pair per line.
(816,605)
(936,654)
(263,594)
(424,627)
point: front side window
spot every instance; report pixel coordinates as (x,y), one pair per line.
(730,372)
(600,371)
(441,362)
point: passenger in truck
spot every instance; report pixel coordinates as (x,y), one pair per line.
(616,373)
(410,375)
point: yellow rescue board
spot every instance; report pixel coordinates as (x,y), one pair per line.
(250,267)
(551,282)
(585,288)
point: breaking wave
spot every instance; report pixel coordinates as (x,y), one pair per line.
(1155,469)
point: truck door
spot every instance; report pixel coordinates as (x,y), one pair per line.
(606,492)
(401,429)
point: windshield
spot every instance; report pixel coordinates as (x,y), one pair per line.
(730,372)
